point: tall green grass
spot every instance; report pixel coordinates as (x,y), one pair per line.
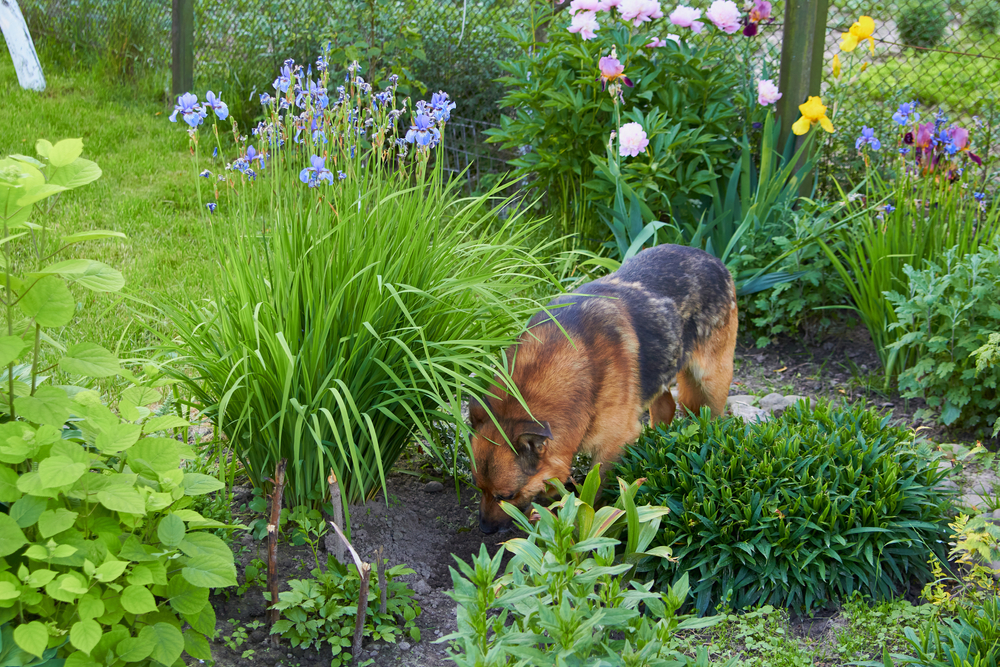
(350,318)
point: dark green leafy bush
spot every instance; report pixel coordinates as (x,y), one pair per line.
(984,18)
(947,315)
(322,609)
(798,511)
(923,23)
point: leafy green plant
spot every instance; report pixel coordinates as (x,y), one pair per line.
(101,559)
(566,597)
(984,19)
(562,119)
(914,218)
(874,628)
(322,609)
(351,314)
(946,316)
(923,23)
(254,574)
(797,511)
(760,638)
(309,528)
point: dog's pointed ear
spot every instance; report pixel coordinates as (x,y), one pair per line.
(531,440)
(477,413)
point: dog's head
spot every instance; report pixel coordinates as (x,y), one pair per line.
(517,475)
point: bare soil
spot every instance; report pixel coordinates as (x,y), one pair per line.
(425,524)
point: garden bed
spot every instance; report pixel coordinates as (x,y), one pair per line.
(424,523)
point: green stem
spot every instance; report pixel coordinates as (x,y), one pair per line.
(34,358)
(10,325)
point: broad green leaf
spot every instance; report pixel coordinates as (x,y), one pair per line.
(11,537)
(138,600)
(196,484)
(209,572)
(122,499)
(50,405)
(26,158)
(144,396)
(92,235)
(168,640)
(203,621)
(196,645)
(89,360)
(43,147)
(135,649)
(206,544)
(32,637)
(11,348)
(38,193)
(165,423)
(171,530)
(85,634)
(65,152)
(8,591)
(79,659)
(53,522)
(118,437)
(158,454)
(8,485)
(25,512)
(184,597)
(59,471)
(49,301)
(110,570)
(74,175)
(89,273)
(90,606)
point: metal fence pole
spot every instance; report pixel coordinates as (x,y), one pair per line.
(182,45)
(802,47)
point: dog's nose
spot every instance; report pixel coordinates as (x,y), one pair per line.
(488,527)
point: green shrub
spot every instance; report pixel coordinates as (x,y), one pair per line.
(945,316)
(566,598)
(984,18)
(322,609)
(797,511)
(351,315)
(923,23)
(682,97)
(102,561)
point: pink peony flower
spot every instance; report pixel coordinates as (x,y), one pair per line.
(767,92)
(633,140)
(586,24)
(640,11)
(687,17)
(725,15)
(656,42)
(585,6)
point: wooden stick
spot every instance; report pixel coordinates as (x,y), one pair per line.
(382,586)
(365,570)
(338,512)
(273,615)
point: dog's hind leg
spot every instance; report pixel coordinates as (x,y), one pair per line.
(661,410)
(705,380)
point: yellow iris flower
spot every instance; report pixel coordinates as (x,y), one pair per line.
(859,32)
(813,111)
(836,66)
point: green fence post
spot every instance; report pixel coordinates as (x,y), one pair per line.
(802,49)
(182,43)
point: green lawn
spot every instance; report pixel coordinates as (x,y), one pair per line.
(147,192)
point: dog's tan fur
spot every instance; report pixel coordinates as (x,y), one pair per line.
(585,394)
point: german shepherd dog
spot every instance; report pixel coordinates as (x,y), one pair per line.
(667,315)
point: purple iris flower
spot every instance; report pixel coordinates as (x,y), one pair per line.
(312,175)
(341,175)
(903,150)
(265,99)
(211,206)
(205,174)
(215,152)
(907,109)
(979,196)
(217,105)
(441,106)
(889,208)
(252,155)
(867,138)
(422,132)
(187,105)
(284,79)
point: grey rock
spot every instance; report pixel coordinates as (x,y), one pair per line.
(422,587)
(947,485)
(433,487)
(748,399)
(404,646)
(973,500)
(772,402)
(996,514)
(945,464)
(269,658)
(748,412)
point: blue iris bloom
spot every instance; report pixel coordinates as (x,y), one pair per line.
(979,196)
(205,174)
(341,175)
(265,99)
(317,172)
(867,138)
(215,152)
(907,109)
(217,105)
(422,132)
(889,208)
(903,150)
(187,105)
(284,79)
(211,206)
(441,106)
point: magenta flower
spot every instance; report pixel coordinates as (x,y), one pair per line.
(585,6)
(767,92)
(959,137)
(632,140)
(725,15)
(612,70)
(656,42)
(687,17)
(586,24)
(761,11)
(925,134)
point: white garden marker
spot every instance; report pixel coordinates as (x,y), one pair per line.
(22,49)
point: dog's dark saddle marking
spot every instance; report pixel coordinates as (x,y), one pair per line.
(676,297)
